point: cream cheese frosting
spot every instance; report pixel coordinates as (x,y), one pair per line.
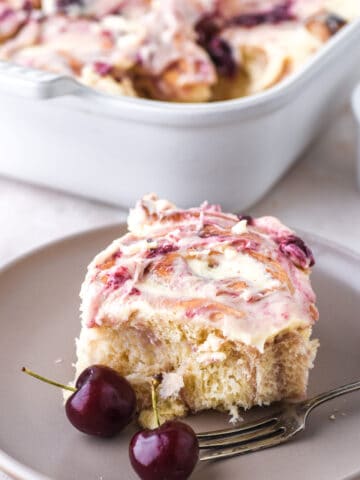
(169,49)
(247,277)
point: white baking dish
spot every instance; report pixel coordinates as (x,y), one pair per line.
(58,133)
(356,110)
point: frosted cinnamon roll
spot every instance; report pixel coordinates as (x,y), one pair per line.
(218,307)
(171,50)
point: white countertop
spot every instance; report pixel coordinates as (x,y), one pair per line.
(318,195)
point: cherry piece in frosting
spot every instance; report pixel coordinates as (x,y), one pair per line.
(298,252)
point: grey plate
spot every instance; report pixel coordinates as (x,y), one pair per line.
(39,320)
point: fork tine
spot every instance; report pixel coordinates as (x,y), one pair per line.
(245,427)
(222,453)
(242,437)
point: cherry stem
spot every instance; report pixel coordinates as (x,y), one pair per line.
(46,380)
(154,384)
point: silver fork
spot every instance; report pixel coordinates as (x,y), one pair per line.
(266,432)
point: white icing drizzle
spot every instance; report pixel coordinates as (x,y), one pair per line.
(197,265)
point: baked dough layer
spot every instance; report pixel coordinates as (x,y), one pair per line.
(217,307)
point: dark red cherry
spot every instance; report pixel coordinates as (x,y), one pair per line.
(298,252)
(277,14)
(248,218)
(221,54)
(103,404)
(208,27)
(169,452)
(208,30)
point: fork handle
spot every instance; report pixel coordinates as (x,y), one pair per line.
(324,397)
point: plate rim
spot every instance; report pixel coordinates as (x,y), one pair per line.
(19,471)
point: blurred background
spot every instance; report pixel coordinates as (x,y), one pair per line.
(318,195)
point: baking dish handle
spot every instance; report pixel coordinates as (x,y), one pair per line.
(27,82)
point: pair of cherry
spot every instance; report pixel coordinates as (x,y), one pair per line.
(103,403)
